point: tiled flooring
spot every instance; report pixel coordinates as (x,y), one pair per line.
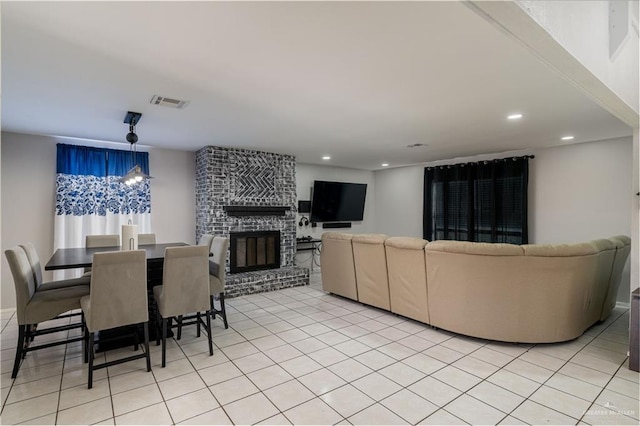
(300,356)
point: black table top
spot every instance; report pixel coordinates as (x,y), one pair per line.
(69,258)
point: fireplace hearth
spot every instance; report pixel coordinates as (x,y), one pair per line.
(254,251)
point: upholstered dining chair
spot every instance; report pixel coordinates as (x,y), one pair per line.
(108,240)
(206,240)
(146,239)
(34,307)
(118,298)
(219,247)
(36,268)
(184,290)
(93,241)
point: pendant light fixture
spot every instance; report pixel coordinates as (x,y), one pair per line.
(135,174)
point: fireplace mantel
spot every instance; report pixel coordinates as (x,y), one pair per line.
(256,210)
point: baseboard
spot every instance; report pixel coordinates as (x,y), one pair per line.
(623,305)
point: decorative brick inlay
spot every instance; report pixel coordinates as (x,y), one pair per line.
(241,177)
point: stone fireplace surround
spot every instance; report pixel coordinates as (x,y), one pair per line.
(239,190)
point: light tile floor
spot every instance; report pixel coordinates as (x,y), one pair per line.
(301,356)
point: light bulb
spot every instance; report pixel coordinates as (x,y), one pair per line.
(138,178)
(129,182)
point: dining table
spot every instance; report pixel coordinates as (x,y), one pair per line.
(82,257)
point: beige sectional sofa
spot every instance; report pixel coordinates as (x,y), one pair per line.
(536,293)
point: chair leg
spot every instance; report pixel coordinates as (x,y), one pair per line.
(223,311)
(136,338)
(145,326)
(208,315)
(85,342)
(29,335)
(19,349)
(179,327)
(213,308)
(90,371)
(158,325)
(164,342)
(198,321)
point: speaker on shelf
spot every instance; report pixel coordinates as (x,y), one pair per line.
(332,225)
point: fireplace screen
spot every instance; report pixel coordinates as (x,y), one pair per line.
(253,251)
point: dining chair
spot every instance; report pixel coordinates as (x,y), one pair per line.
(93,241)
(146,239)
(184,290)
(35,307)
(118,298)
(36,268)
(206,240)
(108,240)
(219,247)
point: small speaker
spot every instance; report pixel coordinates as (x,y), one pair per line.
(304,206)
(332,225)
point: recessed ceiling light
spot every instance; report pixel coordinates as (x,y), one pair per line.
(326,157)
(567,138)
(514,116)
(385,164)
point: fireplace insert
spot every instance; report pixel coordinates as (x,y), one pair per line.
(254,251)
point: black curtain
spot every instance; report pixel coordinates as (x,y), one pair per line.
(484,201)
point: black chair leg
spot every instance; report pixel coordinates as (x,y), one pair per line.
(158,327)
(16,365)
(85,342)
(145,326)
(136,338)
(213,308)
(179,327)
(90,371)
(223,311)
(208,315)
(198,321)
(164,342)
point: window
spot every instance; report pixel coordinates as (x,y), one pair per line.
(484,202)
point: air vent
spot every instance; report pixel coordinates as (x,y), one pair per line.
(416,145)
(169,102)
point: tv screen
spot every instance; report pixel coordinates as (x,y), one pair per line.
(337,201)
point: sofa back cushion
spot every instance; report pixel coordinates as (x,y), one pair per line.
(371,269)
(337,266)
(407,277)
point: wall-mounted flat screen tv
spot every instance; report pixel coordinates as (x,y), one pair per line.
(337,201)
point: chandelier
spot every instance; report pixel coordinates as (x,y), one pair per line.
(135,174)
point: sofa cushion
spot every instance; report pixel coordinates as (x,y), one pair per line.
(337,236)
(406,243)
(369,238)
(560,250)
(604,244)
(485,249)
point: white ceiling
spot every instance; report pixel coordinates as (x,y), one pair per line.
(358,81)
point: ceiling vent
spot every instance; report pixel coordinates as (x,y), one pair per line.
(416,145)
(169,102)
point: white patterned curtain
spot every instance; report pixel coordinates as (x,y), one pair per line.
(91,200)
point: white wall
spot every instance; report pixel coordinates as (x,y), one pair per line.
(582,28)
(307,173)
(28,172)
(173,195)
(581,192)
(399,194)
(577,193)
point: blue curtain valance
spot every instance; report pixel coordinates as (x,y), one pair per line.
(90,161)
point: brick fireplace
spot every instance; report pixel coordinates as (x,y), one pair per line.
(240,192)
